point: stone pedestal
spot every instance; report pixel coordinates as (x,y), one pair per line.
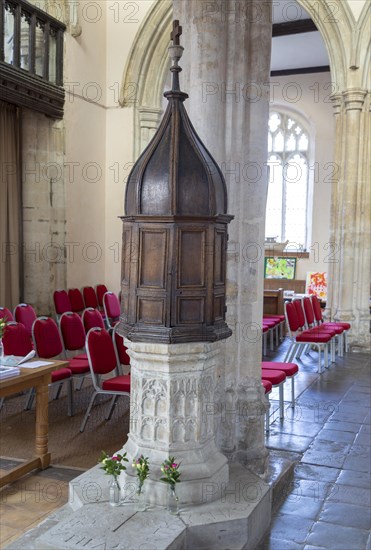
(172,414)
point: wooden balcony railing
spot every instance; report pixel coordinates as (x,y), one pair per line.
(31,57)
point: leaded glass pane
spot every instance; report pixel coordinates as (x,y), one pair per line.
(8,34)
(25,41)
(40,50)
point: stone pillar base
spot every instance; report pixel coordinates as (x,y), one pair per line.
(172,414)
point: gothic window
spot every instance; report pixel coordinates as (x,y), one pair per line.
(288,161)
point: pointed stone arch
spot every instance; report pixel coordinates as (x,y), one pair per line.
(147,66)
(146,71)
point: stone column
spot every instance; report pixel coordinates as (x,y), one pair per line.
(172,414)
(350,218)
(226,70)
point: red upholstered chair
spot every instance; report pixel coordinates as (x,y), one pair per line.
(17,342)
(103,362)
(280,320)
(62,302)
(92,318)
(100,292)
(314,330)
(90,297)
(271,324)
(48,345)
(265,330)
(112,309)
(5,312)
(76,299)
(277,378)
(290,370)
(267,389)
(25,314)
(73,335)
(331,328)
(120,349)
(299,339)
(318,316)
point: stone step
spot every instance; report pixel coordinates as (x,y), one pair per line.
(236,521)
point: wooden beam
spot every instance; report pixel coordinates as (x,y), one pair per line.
(293,27)
(301,70)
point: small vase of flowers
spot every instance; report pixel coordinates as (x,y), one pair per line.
(171,475)
(141,465)
(113,466)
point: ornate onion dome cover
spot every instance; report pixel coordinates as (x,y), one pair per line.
(176,175)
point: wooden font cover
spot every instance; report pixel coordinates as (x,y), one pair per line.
(175,233)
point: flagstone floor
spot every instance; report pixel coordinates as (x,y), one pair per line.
(327,503)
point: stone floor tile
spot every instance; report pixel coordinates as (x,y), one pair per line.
(335,435)
(316,473)
(342,426)
(359,458)
(310,547)
(306,507)
(288,442)
(350,495)
(337,537)
(363,438)
(356,479)
(291,528)
(313,489)
(271,543)
(347,515)
(349,416)
(296,427)
(324,458)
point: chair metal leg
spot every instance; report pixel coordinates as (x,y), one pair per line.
(267,417)
(341,345)
(58,392)
(346,341)
(280,389)
(332,350)
(86,417)
(292,393)
(113,405)
(271,342)
(30,398)
(78,388)
(265,343)
(290,352)
(70,397)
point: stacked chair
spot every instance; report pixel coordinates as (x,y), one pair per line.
(300,337)
(25,314)
(48,345)
(17,342)
(5,313)
(103,361)
(329,324)
(76,300)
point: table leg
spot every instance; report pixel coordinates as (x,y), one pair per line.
(42,423)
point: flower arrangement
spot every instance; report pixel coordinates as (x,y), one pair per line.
(170,469)
(2,327)
(141,465)
(113,465)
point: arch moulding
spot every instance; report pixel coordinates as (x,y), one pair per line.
(147,66)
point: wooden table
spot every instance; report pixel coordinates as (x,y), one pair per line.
(39,378)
